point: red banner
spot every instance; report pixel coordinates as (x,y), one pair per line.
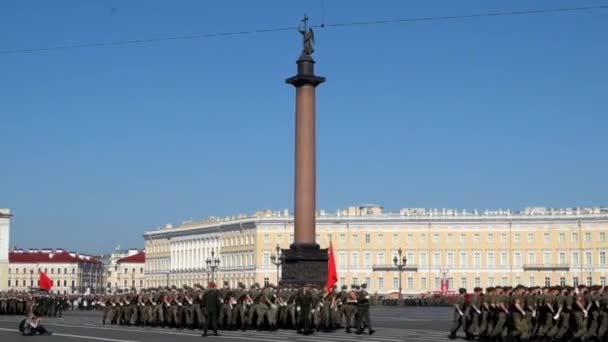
(332,274)
(444,285)
(45,283)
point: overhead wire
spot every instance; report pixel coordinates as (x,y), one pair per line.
(322,25)
(467,16)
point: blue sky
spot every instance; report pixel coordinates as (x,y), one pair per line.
(101,144)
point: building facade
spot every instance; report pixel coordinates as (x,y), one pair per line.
(5,229)
(70,272)
(112,279)
(129,272)
(534,247)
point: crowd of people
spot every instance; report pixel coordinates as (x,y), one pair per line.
(559,313)
(306,309)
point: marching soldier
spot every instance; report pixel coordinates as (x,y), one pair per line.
(240,308)
(303,309)
(363,311)
(349,307)
(458,313)
(226,309)
(211,303)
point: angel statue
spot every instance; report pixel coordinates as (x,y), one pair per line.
(308,38)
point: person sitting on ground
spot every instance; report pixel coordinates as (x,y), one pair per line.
(31,325)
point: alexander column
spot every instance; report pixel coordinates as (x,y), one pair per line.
(304,261)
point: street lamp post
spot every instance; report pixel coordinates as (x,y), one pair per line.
(400,263)
(31,279)
(277,260)
(213,264)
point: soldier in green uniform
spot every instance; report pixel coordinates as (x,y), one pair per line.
(197,312)
(211,303)
(225,319)
(518,314)
(317,302)
(270,308)
(349,308)
(303,308)
(108,310)
(240,308)
(530,300)
(487,313)
(292,294)
(188,307)
(329,305)
(593,312)
(602,331)
(475,313)
(501,311)
(458,319)
(565,302)
(580,313)
(544,314)
(363,310)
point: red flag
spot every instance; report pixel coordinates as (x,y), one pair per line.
(45,282)
(332,273)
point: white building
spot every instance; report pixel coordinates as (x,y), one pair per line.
(70,273)
(5,229)
(129,272)
(111,279)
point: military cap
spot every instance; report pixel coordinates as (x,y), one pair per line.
(225,283)
(364,286)
(344,287)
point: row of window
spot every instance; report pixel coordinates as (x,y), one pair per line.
(450,237)
(192,259)
(463,238)
(154,265)
(490,258)
(422,283)
(125,283)
(56,282)
(24,270)
(141,270)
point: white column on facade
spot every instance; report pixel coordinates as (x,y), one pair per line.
(171,256)
(178,256)
(182,255)
(189,254)
(186,254)
(182,263)
(199,248)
